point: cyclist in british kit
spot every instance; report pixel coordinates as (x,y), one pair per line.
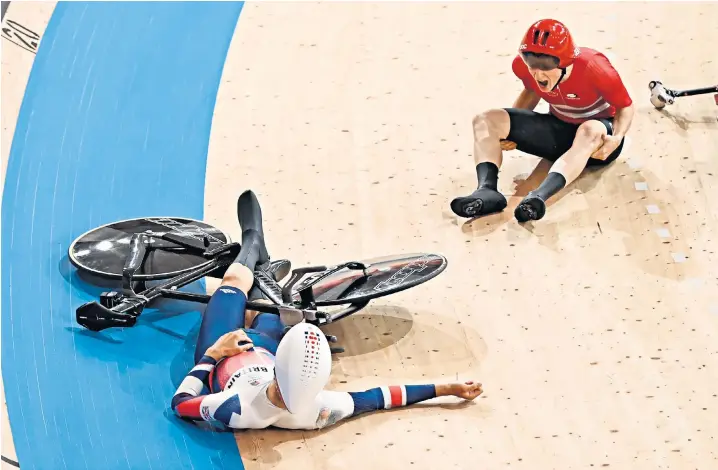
(249,373)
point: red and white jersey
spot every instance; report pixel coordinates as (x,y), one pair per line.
(250,368)
(238,391)
(593,89)
(238,396)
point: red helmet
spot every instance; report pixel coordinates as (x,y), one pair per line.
(550,37)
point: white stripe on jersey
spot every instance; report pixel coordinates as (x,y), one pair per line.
(397,399)
(568,107)
(588,114)
(191,385)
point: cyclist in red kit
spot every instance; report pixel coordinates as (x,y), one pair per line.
(590,113)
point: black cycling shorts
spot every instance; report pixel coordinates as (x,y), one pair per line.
(546,136)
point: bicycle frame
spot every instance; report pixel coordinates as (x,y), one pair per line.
(122,309)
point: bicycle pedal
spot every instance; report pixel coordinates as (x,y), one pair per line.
(337,350)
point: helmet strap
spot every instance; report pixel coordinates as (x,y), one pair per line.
(563,74)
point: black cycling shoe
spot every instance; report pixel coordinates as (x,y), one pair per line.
(249,212)
(531,208)
(483,201)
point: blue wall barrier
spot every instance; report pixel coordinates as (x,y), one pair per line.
(115,124)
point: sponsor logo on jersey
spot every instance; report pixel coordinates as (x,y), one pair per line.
(572,96)
(204,411)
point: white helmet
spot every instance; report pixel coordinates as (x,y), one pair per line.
(302,366)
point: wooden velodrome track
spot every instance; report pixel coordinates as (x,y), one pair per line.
(594,331)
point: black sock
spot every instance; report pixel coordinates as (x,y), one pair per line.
(488,175)
(251,251)
(255,293)
(553,183)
